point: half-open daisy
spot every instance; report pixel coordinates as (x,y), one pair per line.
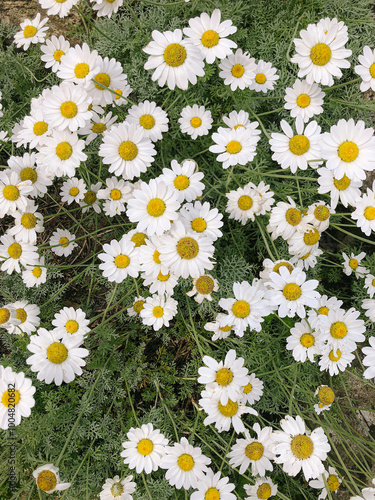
(203,286)
(48,479)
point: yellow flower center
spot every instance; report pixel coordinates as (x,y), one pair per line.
(311,237)
(158,312)
(224,376)
(185,462)
(40,128)
(321,212)
(21,315)
(245,202)
(73,191)
(90,197)
(195,122)
(323,310)
(4,315)
(46,480)
(147,121)
(68,109)
(247,389)
(57,353)
(210,38)
(156,207)
(118,91)
(303,100)
(326,395)
(241,309)
(320,54)
(37,272)
(225,328)
(99,128)
(260,78)
(238,126)
(348,151)
(292,291)
(254,451)
(332,480)
(212,494)
(115,194)
(299,144)
(204,285)
(64,241)
(104,79)
(302,446)
(57,55)
(305,256)
(139,239)
(145,446)
(228,410)
(338,330)
(81,70)
(128,150)
(293,216)
(11,193)
(28,174)
(175,55)
(372,70)
(238,70)
(156,257)
(72,326)
(138,306)
(198,225)
(342,184)
(29,31)
(307,340)
(373,282)
(277,266)
(369,213)
(15,251)
(187,248)
(117,489)
(181,182)
(233,147)
(13,395)
(28,220)
(335,356)
(64,150)
(122,261)
(163,277)
(353,263)
(264,491)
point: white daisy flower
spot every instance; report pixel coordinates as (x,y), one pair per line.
(224,378)
(253,390)
(195,121)
(264,197)
(149,258)
(186,253)
(263,488)
(28,315)
(349,149)
(13,193)
(301,243)
(79,64)
(308,260)
(327,24)
(304,100)
(265,77)
(352,264)
(269,266)
(321,213)
(185,180)
(326,397)
(321,54)
(56,360)
(297,150)
(253,451)
(90,199)
(70,321)
(145,448)
(47,477)
(34,129)
(120,260)
(62,8)
(120,95)
(33,31)
(151,118)
(53,49)
(127,150)
(369,359)
(290,292)
(115,489)
(303,342)
(248,308)
(27,170)
(3,136)
(154,206)
(61,153)
(298,449)
(369,306)
(185,464)
(335,361)
(73,190)
(370,284)
(368,494)
(286,219)
(27,224)
(203,286)
(97,126)
(220,332)
(158,311)
(176,61)
(35,275)
(15,253)
(242,204)
(137,306)
(364,214)
(61,242)
(224,416)
(108,75)
(236,147)
(16,398)
(116,193)
(202,219)
(366,69)
(238,70)
(106,7)
(161,284)
(8,317)
(212,487)
(340,189)
(332,480)
(210,35)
